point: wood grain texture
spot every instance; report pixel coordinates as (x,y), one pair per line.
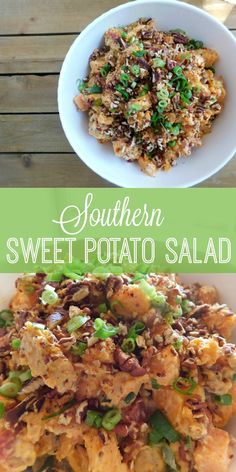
(71,172)
(35,54)
(66,170)
(23,137)
(50,16)
(47,170)
(21,54)
(70,16)
(32,133)
(220,9)
(28,93)
(224,178)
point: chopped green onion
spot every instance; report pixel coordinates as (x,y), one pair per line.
(71,275)
(79,348)
(25,375)
(184,385)
(49,296)
(76,322)
(177,70)
(155,384)
(155,119)
(169,317)
(133,84)
(20,376)
(135,70)
(137,328)
(158,299)
(124,35)
(102,308)
(162,429)
(104,330)
(2,410)
(197,89)
(162,104)
(194,44)
(111,419)
(185,96)
(94,419)
(15,344)
(81,85)
(129,397)
(105,70)
(169,457)
(187,56)
(171,143)
(177,312)
(124,79)
(178,343)
(56,276)
(138,276)
(134,107)
(180,83)
(144,90)
(6,318)
(38,325)
(122,91)
(163,94)
(94,89)
(9,390)
(139,53)
(66,407)
(212,69)
(178,30)
(187,306)
(158,62)
(167,125)
(96,103)
(116,302)
(175,131)
(128,345)
(225,400)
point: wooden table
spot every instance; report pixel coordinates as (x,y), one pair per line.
(34,38)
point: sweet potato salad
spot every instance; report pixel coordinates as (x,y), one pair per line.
(152,94)
(115,373)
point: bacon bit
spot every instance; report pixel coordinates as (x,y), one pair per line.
(122,430)
(182,452)
(7,439)
(136,412)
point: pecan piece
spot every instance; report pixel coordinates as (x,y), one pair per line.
(128,363)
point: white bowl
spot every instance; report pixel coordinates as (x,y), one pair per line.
(218,147)
(225,283)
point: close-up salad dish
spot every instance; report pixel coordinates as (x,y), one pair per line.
(153,94)
(115,373)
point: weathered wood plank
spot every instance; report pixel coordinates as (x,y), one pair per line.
(54,16)
(36,54)
(46,170)
(28,94)
(224,178)
(33,53)
(32,133)
(66,170)
(221,9)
